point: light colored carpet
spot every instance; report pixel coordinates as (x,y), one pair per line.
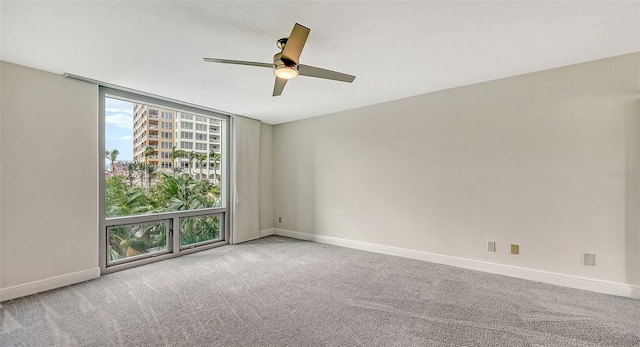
(283,292)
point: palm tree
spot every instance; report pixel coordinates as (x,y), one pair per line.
(192,157)
(131,167)
(152,172)
(175,154)
(147,153)
(121,200)
(215,158)
(201,158)
(194,230)
(183,192)
(140,167)
(112,156)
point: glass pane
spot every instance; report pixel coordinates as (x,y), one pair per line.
(160,159)
(199,229)
(128,241)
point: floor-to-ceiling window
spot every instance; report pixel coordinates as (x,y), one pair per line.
(164,188)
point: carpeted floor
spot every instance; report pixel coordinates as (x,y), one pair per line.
(283,292)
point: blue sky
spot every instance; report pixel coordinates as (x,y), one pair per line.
(118,121)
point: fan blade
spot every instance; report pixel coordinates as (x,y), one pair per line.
(279,86)
(295,43)
(237,62)
(311,71)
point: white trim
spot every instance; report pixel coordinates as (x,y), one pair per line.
(570,281)
(267,232)
(21,290)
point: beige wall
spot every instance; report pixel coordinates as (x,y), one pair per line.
(49,176)
(266,177)
(546,160)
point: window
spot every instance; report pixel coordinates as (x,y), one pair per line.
(201,137)
(201,127)
(135,240)
(159,222)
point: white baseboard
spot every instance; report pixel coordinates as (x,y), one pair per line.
(47,284)
(600,286)
(267,232)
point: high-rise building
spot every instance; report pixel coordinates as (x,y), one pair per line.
(201,136)
(153,127)
(162,129)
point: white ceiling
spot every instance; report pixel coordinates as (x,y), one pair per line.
(396,49)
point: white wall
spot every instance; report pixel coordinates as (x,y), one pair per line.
(546,160)
(48,181)
(266,177)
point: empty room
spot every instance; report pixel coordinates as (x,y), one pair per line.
(320,173)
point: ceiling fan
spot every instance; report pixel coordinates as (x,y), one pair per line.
(285,63)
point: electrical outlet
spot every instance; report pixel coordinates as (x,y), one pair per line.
(491,246)
(279,219)
(588,259)
(515,249)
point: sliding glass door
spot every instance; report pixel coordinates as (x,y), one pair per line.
(164,191)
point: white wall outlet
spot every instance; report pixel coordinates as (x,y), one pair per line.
(491,246)
(588,259)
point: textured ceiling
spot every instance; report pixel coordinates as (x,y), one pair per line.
(396,49)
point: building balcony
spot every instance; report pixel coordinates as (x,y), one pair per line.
(214,139)
(153,137)
(153,126)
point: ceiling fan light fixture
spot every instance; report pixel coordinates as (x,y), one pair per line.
(285,72)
